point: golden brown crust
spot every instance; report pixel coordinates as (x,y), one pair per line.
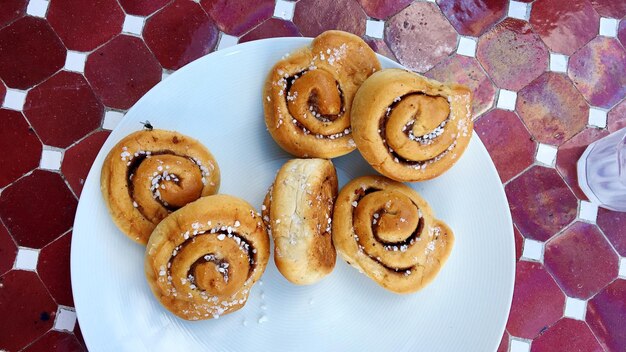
(308,95)
(386,230)
(410,128)
(203,259)
(150,173)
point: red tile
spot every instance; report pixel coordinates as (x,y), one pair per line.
(3,91)
(420,37)
(85,25)
(552,108)
(537,301)
(504,343)
(180,33)
(78,159)
(379,46)
(567,335)
(79,335)
(564,25)
(27,309)
(569,153)
(610,8)
(12,10)
(142,7)
(613,224)
(63,109)
(272,28)
(599,71)
(316,16)
(541,203)
(122,71)
(382,9)
(512,54)
(621,32)
(467,71)
(617,117)
(581,260)
(30,52)
(8,250)
(508,142)
(519,243)
(53,268)
(236,17)
(56,341)
(605,316)
(37,209)
(21,149)
(473,17)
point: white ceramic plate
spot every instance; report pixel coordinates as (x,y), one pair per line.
(217,99)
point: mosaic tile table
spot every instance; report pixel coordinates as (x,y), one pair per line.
(549,77)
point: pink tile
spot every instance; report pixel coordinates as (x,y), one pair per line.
(420,37)
(180,33)
(121,71)
(552,108)
(567,335)
(382,9)
(31,52)
(142,7)
(236,17)
(581,260)
(85,25)
(78,159)
(599,71)
(379,46)
(504,343)
(613,224)
(467,71)
(512,54)
(37,209)
(27,309)
(569,153)
(63,109)
(617,117)
(21,149)
(12,10)
(564,25)
(272,28)
(519,243)
(621,33)
(316,16)
(541,203)
(53,268)
(605,316)
(537,301)
(610,8)
(8,250)
(508,142)
(473,17)
(56,341)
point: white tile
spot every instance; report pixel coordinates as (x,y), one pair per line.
(597,117)
(165,74)
(558,62)
(575,308)
(546,154)
(519,10)
(37,8)
(26,259)
(518,345)
(111,119)
(133,24)
(588,211)
(375,29)
(227,41)
(65,319)
(284,9)
(467,46)
(75,61)
(622,268)
(533,250)
(14,99)
(50,158)
(608,26)
(506,99)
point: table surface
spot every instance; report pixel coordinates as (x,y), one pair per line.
(549,77)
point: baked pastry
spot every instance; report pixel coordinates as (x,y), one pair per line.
(149,174)
(298,211)
(387,231)
(203,259)
(308,95)
(410,128)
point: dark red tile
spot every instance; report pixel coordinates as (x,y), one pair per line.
(53,268)
(567,335)
(85,25)
(79,335)
(30,52)
(420,37)
(122,71)
(27,309)
(508,142)
(236,17)
(21,149)
(512,54)
(613,224)
(316,16)
(610,8)
(379,46)
(272,28)
(3,91)
(552,108)
(581,260)
(142,7)
(180,33)
(63,109)
(537,301)
(564,25)
(56,341)
(605,315)
(37,209)
(541,203)
(78,159)
(12,10)
(473,17)
(8,250)
(519,243)
(467,71)
(382,9)
(569,153)
(504,343)
(599,71)
(621,32)
(617,117)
